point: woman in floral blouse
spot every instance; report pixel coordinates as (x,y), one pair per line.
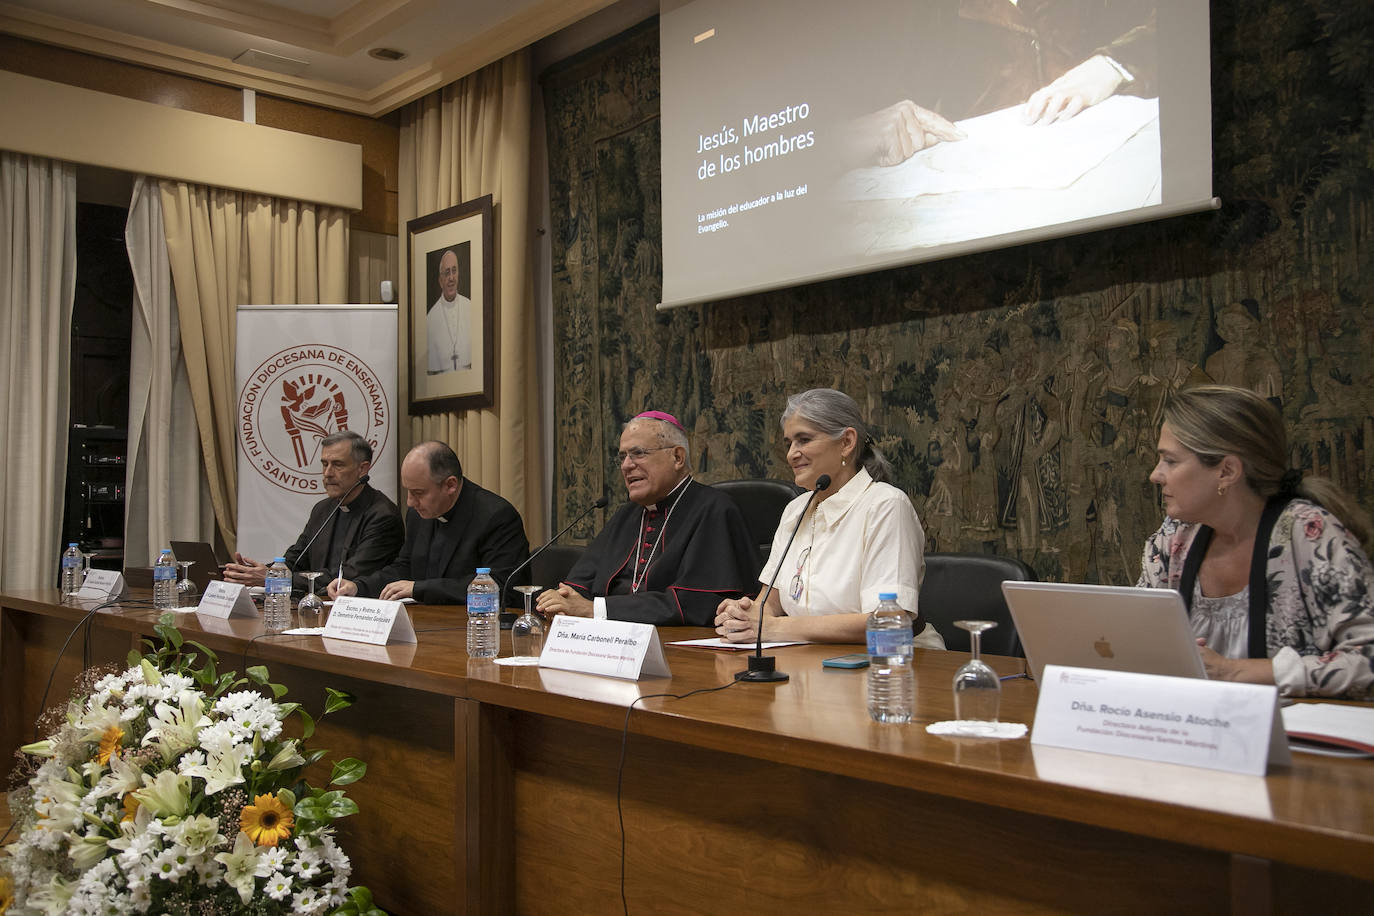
(1274,567)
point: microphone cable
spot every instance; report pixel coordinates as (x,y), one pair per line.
(86,618)
(620,768)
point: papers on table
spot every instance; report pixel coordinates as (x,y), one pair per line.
(715,642)
(1330,728)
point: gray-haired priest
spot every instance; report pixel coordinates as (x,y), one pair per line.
(354,526)
(673,553)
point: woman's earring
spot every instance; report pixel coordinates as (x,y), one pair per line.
(1221,491)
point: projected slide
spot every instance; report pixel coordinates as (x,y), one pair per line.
(808,139)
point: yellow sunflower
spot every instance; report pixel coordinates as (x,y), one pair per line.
(6,894)
(110,742)
(267,821)
(130,808)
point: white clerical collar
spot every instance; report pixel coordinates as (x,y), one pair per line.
(682,485)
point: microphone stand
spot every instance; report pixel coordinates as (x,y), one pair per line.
(762,668)
(506,617)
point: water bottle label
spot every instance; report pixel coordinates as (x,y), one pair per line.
(163,573)
(71,562)
(887,643)
(277,586)
(481,604)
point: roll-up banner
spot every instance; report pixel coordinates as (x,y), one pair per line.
(304,372)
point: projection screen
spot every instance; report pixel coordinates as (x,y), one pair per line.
(806,139)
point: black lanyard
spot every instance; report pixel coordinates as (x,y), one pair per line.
(1259,573)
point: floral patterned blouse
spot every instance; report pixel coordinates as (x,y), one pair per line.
(1320,631)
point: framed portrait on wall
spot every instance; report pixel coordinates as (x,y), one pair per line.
(451,311)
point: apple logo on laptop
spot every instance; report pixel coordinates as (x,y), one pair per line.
(1104,648)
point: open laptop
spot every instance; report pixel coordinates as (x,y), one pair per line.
(202,555)
(1144,630)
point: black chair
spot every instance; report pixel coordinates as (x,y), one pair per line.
(552,566)
(761,503)
(968,586)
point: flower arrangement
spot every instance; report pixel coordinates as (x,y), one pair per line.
(171,788)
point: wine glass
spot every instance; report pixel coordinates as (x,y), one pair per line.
(311,607)
(527,633)
(977,689)
(188,595)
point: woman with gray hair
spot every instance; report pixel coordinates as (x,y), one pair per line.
(859,537)
(1273,565)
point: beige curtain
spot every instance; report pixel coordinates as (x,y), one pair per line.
(466,140)
(228,249)
(167,495)
(37,291)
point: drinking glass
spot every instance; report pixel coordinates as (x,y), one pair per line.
(188,596)
(311,608)
(977,689)
(527,633)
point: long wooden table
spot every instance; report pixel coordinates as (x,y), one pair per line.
(494,788)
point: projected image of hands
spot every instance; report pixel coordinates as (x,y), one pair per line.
(1026,117)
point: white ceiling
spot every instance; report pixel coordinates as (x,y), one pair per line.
(443,39)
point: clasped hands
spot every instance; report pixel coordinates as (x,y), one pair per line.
(563,600)
(737,620)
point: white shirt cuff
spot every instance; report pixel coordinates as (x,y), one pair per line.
(1290,674)
(1119,68)
(599,608)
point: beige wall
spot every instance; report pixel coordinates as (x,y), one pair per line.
(378,138)
(44,118)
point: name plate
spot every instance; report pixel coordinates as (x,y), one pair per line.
(614,648)
(102,584)
(1215,724)
(369,620)
(223,600)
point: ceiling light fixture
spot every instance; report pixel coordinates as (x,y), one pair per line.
(390,54)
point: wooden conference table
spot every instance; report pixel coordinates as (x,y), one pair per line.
(493,788)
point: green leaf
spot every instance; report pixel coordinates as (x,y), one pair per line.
(208,653)
(315,755)
(311,809)
(133,658)
(257,674)
(336,700)
(326,807)
(347,771)
(342,807)
(307,724)
(169,633)
(278,690)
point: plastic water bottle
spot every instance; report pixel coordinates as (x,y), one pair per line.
(276,602)
(484,632)
(891,680)
(165,581)
(71,569)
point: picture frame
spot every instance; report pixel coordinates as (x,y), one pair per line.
(451,311)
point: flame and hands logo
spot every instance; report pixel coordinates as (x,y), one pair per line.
(298,396)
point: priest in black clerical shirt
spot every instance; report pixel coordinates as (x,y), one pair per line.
(453,527)
(673,553)
(354,527)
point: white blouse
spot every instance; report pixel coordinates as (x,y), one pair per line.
(862,540)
